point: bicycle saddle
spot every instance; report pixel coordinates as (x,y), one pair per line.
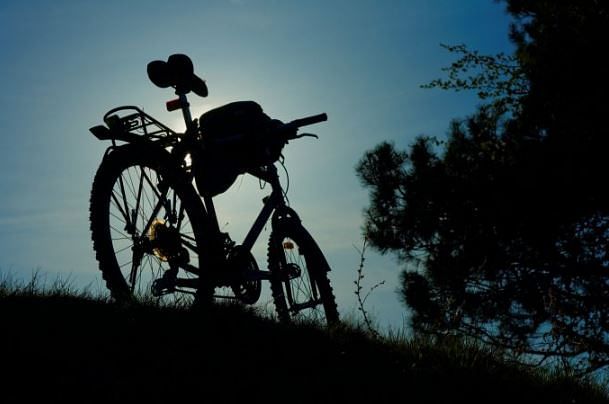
(177,72)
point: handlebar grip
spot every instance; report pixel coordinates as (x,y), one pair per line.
(310,120)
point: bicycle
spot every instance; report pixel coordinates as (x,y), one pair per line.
(153,223)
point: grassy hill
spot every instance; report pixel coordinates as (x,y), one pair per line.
(62,348)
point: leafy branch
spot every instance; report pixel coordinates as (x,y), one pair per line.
(361,298)
(497,78)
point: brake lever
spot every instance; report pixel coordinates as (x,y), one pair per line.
(306,135)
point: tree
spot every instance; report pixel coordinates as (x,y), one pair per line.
(504,226)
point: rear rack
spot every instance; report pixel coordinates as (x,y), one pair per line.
(131,124)
(137,122)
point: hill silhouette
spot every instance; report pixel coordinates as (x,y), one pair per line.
(61,348)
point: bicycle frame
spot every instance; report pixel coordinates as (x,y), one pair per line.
(273,203)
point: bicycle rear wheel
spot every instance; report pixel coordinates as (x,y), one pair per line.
(300,285)
(147,227)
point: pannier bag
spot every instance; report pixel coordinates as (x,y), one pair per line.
(237,137)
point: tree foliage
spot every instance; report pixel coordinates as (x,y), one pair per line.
(498,78)
(504,226)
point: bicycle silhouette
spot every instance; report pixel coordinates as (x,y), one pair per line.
(153,223)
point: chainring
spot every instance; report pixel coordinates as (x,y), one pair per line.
(243,265)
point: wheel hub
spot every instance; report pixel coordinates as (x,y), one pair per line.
(292,271)
(166,241)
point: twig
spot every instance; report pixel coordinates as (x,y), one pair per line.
(358,290)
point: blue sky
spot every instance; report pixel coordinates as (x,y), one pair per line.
(65,63)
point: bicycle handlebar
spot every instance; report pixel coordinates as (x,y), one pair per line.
(309,120)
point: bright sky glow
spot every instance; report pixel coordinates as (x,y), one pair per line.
(65,63)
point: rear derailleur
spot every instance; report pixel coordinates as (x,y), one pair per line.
(165,284)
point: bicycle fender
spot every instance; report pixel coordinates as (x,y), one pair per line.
(163,156)
(101,132)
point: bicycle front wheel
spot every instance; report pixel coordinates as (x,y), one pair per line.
(147,226)
(300,285)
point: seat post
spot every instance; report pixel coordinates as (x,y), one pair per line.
(185,106)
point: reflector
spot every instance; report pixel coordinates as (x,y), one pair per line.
(173,105)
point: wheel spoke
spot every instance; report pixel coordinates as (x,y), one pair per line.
(139,196)
(120,208)
(191,246)
(152,186)
(126,263)
(120,232)
(116,217)
(126,206)
(124,248)
(156,210)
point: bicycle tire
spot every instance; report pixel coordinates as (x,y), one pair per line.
(115,175)
(291,248)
